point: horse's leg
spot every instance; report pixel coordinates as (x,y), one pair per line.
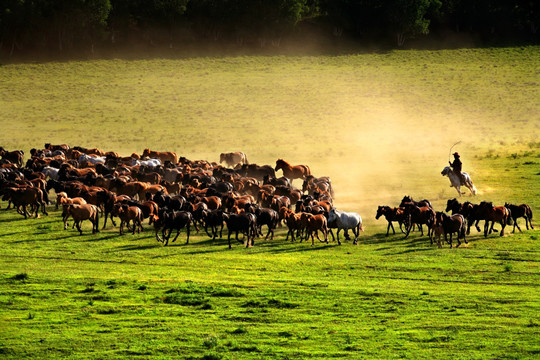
(177,233)
(516,225)
(477,227)
(503,224)
(486,228)
(408,228)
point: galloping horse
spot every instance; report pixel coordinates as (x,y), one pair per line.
(346,221)
(292,172)
(457,183)
(499,214)
(518,211)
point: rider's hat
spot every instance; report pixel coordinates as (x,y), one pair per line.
(456,154)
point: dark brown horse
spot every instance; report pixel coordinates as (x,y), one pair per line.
(21,197)
(409,200)
(292,172)
(451,224)
(391,214)
(418,215)
(518,211)
(15,157)
(494,214)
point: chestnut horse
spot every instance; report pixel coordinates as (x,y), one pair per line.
(499,214)
(162,155)
(292,172)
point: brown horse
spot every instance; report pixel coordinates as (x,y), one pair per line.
(391,214)
(419,215)
(450,224)
(518,211)
(292,172)
(162,155)
(15,157)
(499,214)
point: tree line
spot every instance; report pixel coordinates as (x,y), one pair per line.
(83,25)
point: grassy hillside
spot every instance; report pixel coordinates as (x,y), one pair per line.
(380,125)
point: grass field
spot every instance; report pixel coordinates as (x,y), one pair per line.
(380,125)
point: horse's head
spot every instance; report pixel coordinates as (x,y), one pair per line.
(380,210)
(445,171)
(450,204)
(279,164)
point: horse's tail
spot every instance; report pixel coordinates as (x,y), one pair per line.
(509,219)
(463,227)
(528,212)
(473,189)
(471,186)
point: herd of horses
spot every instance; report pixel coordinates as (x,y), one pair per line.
(175,193)
(412,214)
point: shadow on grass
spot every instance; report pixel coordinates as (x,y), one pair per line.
(137,247)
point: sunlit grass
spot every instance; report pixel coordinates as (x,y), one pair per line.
(380,125)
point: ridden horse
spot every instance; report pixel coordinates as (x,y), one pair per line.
(234,158)
(451,224)
(346,221)
(391,214)
(456,182)
(292,172)
(499,214)
(518,211)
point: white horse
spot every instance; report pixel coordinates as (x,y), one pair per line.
(84,158)
(149,162)
(457,182)
(346,221)
(50,172)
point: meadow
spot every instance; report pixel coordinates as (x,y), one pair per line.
(380,125)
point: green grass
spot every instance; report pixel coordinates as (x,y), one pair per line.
(379,124)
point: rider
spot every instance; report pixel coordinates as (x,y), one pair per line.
(456,167)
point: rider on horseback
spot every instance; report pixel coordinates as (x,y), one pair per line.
(456,167)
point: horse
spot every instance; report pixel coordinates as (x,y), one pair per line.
(292,172)
(451,224)
(152,162)
(161,155)
(418,215)
(391,214)
(234,158)
(518,211)
(409,200)
(457,182)
(499,214)
(15,157)
(346,221)
(80,212)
